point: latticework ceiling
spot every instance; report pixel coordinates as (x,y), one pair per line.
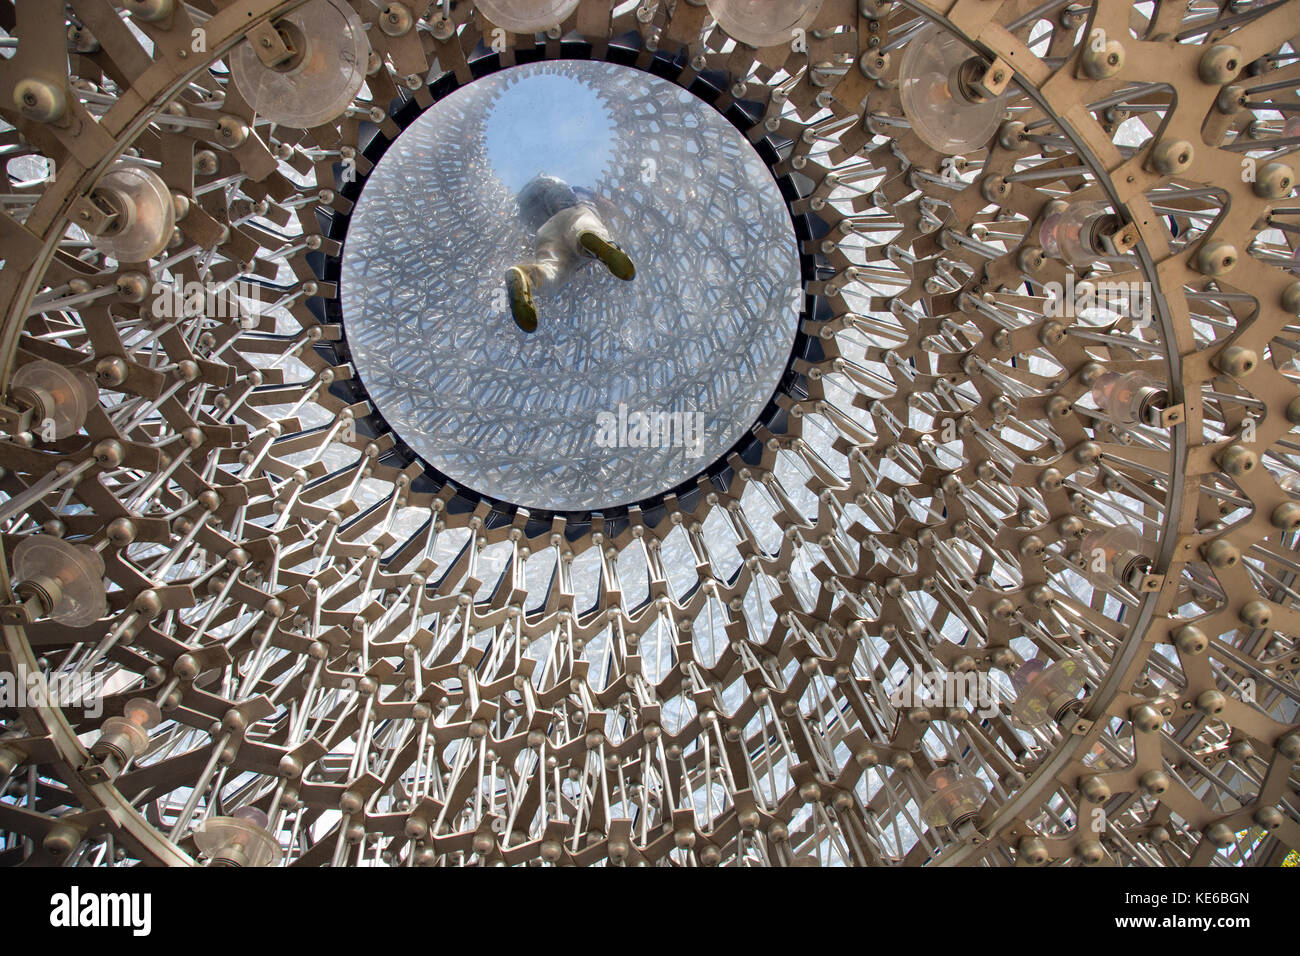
(1003,573)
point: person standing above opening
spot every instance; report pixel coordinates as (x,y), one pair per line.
(570,233)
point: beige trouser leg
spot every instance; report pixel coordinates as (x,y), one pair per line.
(557,254)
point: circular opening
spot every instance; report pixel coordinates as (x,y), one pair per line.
(628,386)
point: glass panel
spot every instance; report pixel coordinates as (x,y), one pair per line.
(627,387)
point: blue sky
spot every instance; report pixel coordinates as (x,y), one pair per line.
(549,124)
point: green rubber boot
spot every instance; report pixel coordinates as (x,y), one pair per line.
(520,289)
(615,259)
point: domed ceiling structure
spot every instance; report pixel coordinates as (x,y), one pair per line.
(991,313)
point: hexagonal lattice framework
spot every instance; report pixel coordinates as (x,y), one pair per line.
(393,672)
(704,331)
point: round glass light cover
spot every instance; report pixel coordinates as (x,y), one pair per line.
(942,119)
(321,79)
(526,16)
(761,23)
(78,570)
(146,216)
(564,419)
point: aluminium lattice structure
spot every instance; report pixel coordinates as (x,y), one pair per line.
(310,651)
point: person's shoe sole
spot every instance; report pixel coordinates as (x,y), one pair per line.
(615,259)
(522,306)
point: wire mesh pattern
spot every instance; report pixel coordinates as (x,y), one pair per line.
(1011,581)
(701,337)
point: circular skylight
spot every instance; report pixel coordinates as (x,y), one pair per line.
(627,388)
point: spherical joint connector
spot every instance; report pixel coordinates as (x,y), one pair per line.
(109,453)
(232,131)
(1003,657)
(234,722)
(1155,782)
(1030,259)
(1236,361)
(1032,851)
(1220,835)
(1146,718)
(1095,789)
(111,371)
(186,667)
(290,767)
(1286,516)
(1216,257)
(1011,136)
(1087,453)
(42,101)
(396,20)
(120,532)
(151,11)
(1256,613)
(1211,702)
(132,287)
(1237,460)
(1032,546)
(1219,64)
(61,839)
(1171,156)
(1221,553)
(1041,596)
(1190,639)
(1274,181)
(10,759)
(1288,745)
(1291,299)
(1090,852)
(1270,818)
(1102,60)
(874,64)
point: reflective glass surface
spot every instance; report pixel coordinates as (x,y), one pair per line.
(627,388)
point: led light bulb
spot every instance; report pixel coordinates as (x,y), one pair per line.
(526,16)
(762,23)
(319,80)
(142,713)
(59,397)
(240,839)
(957,798)
(1113,554)
(1045,691)
(126,737)
(65,579)
(939,87)
(146,215)
(1130,397)
(1079,233)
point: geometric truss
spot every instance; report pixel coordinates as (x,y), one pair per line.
(305,655)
